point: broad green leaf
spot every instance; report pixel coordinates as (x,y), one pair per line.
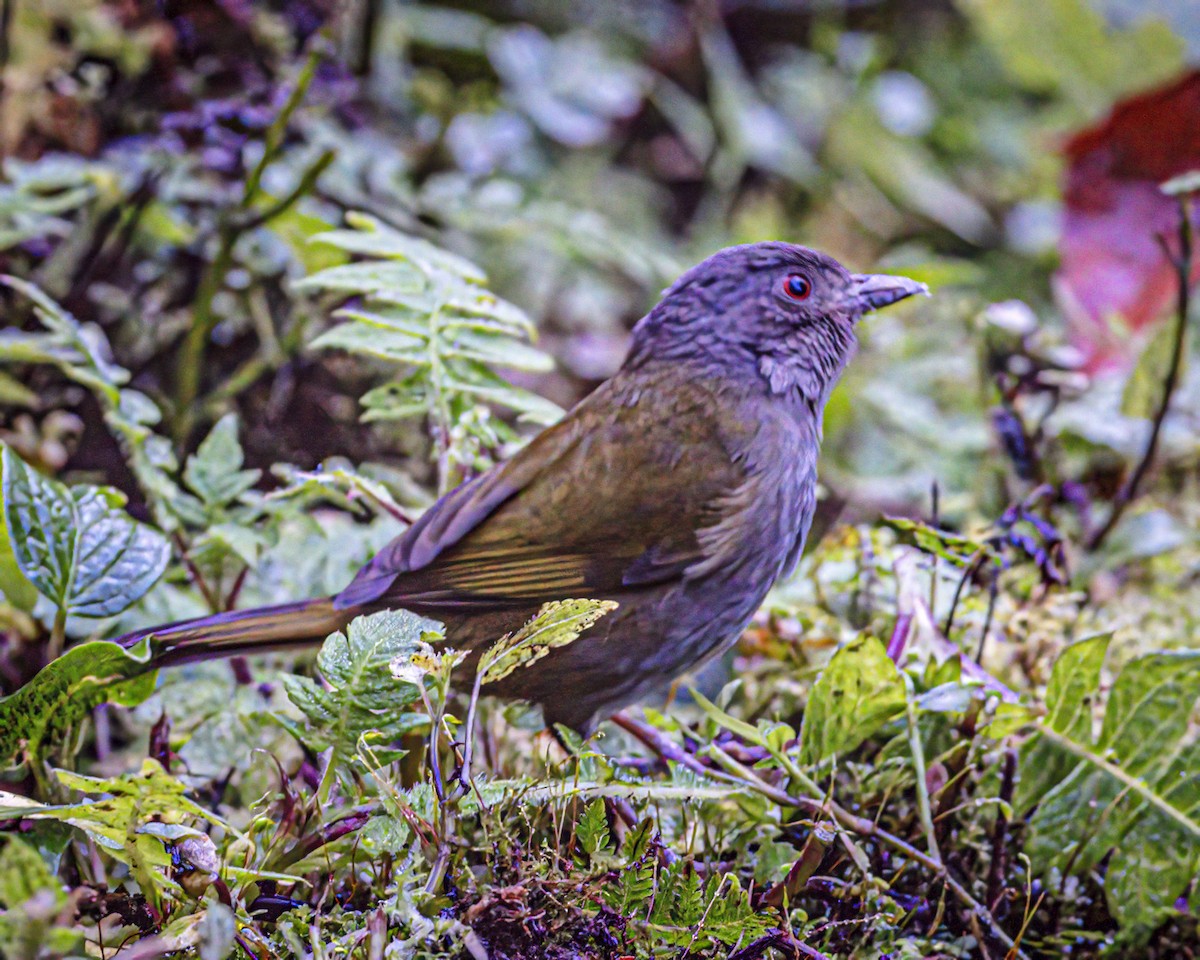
(855,695)
(360,695)
(40,713)
(557,623)
(1134,791)
(75,545)
(14,584)
(214,472)
(1070,704)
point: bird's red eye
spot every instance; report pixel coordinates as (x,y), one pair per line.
(797,286)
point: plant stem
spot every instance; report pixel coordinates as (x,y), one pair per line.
(195,345)
(1183,269)
(737,774)
(58,634)
(918,757)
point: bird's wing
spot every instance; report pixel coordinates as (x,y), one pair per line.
(616,496)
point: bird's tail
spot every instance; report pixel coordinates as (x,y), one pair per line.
(243,632)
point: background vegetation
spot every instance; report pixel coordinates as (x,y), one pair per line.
(280,272)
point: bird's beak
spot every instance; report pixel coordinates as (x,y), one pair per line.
(870,291)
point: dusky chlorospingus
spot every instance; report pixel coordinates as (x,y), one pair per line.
(682,488)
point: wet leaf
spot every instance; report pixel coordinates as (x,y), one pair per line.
(76,545)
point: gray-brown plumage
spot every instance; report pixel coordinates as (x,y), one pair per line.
(682,488)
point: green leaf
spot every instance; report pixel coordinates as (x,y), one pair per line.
(13,583)
(122,806)
(954,547)
(500,351)
(80,551)
(426,309)
(1070,704)
(23,873)
(556,624)
(375,277)
(374,341)
(592,829)
(1065,47)
(855,695)
(361,695)
(1143,392)
(630,893)
(1134,790)
(65,691)
(214,472)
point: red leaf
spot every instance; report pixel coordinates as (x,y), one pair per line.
(1112,264)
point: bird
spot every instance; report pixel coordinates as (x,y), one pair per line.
(682,489)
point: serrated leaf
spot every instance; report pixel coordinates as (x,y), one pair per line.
(371,237)
(1134,790)
(64,691)
(374,277)
(361,695)
(499,351)
(592,829)
(80,551)
(557,623)
(631,891)
(856,694)
(214,472)
(374,341)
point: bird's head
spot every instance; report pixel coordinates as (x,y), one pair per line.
(787,311)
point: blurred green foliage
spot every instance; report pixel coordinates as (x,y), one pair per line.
(280,273)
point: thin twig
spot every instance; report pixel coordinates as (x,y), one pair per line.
(995,874)
(777,940)
(1183,270)
(993,591)
(210,598)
